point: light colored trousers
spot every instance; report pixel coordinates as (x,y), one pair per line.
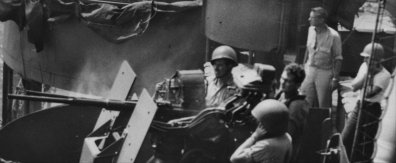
(317,86)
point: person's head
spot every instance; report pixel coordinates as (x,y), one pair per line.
(376,51)
(223,60)
(317,16)
(272,115)
(291,78)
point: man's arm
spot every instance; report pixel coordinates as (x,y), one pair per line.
(243,153)
(336,73)
(337,68)
(358,81)
(337,50)
(358,85)
(305,56)
(374,91)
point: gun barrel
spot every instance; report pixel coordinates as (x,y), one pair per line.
(108,104)
(35,93)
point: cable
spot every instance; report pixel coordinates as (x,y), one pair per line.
(366,81)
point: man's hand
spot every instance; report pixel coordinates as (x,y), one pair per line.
(208,69)
(334,84)
(259,133)
(373,92)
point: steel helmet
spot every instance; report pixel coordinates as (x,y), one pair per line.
(224,52)
(378,51)
(273,115)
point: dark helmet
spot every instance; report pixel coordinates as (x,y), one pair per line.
(273,115)
(224,52)
(378,51)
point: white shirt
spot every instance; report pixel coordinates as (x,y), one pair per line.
(271,150)
(323,48)
(381,80)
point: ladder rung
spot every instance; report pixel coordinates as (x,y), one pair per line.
(371,123)
(366,142)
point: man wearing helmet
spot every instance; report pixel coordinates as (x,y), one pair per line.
(270,143)
(322,60)
(379,81)
(223,60)
(376,70)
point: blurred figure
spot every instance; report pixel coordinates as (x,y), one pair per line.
(269,143)
(223,60)
(267,73)
(323,59)
(290,82)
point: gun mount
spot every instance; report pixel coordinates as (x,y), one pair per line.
(186,89)
(213,133)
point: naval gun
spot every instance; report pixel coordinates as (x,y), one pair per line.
(110,141)
(86,130)
(213,133)
(66,133)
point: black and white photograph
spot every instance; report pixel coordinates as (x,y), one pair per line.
(197,81)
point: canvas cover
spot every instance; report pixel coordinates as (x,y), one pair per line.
(252,24)
(77,58)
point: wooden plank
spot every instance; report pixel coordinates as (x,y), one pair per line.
(119,91)
(137,128)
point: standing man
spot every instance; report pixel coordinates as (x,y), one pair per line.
(290,82)
(223,60)
(270,143)
(323,59)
